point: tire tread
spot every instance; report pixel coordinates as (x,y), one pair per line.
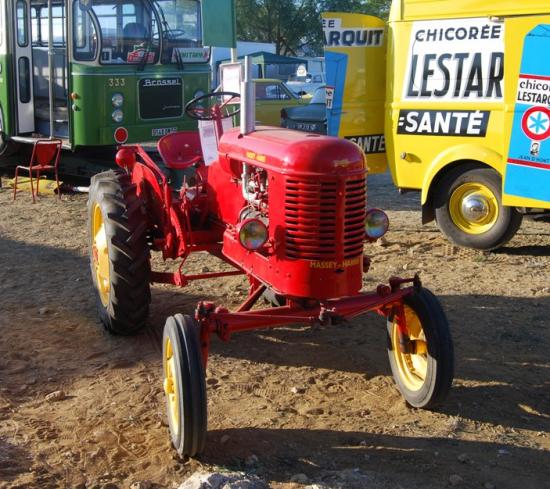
(184,330)
(440,350)
(129,253)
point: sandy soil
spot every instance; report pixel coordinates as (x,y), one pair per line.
(347,424)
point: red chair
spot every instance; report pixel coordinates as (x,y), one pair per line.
(45,157)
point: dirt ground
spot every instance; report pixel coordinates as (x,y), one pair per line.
(346,424)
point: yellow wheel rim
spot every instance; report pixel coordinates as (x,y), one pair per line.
(412,368)
(474,208)
(170,387)
(100,255)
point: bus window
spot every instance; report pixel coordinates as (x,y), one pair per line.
(35,26)
(181,26)
(39,25)
(22,34)
(24,80)
(84,35)
(58,19)
(128,31)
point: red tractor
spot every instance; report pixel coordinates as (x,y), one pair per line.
(285,208)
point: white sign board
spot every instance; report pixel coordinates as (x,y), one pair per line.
(207,132)
(190,55)
(456,61)
(231,76)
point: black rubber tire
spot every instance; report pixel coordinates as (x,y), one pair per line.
(183,333)
(129,257)
(7,147)
(440,356)
(508,221)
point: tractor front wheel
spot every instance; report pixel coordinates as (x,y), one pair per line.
(119,253)
(184,385)
(423,376)
(469,211)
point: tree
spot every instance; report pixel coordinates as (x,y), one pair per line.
(294,26)
(378,8)
(281,22)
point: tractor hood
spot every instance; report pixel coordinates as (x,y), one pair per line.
(289,151)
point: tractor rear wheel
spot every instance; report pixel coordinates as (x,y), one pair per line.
(425,376)
(119,253)
(184,385)
(469,211)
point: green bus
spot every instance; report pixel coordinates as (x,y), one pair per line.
(97,73)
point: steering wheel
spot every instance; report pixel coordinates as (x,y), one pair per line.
(175,33)
(213,105)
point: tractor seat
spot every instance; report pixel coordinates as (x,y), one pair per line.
(180,150)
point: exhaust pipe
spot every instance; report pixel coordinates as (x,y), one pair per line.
(248,99)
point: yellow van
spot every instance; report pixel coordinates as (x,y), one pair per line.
(467,117)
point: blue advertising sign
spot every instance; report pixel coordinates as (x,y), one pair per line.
(528,165)
(336,68)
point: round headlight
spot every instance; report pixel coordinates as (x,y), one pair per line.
(117,100)
(117,115)
(376,224)
(252,234)
(198,93)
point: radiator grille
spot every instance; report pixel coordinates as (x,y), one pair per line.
(311,213)
(160,98)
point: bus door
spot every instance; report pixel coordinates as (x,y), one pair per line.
(50,81)
(23,66)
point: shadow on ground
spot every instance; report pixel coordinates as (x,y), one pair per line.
(383,461)
(501,370)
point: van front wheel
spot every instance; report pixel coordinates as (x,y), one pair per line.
(469,211)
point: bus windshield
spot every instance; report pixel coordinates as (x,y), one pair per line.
(128,31)
(132,31)
(181,27)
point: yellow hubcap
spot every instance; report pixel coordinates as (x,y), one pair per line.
(473,208)
(100,255)
(412,367)
(170,388)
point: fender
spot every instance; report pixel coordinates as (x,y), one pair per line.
(454,154)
